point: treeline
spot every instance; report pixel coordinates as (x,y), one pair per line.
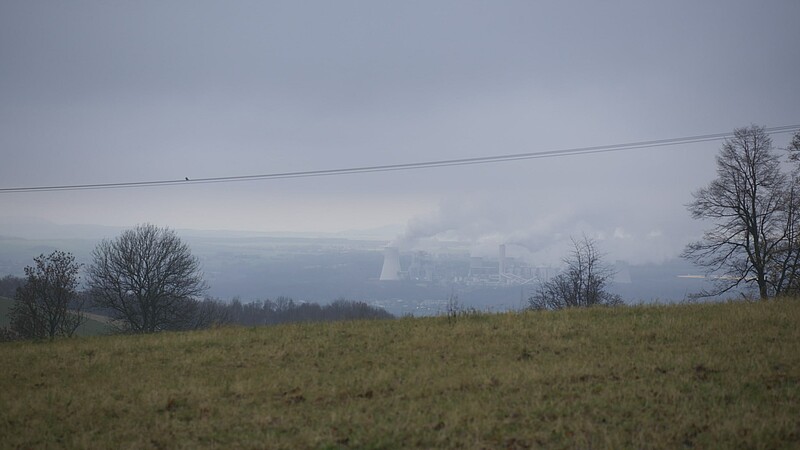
(145,281)
(211,312)
(216,312)
(9,285)
(285,310)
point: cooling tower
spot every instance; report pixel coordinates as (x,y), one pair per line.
(391,264)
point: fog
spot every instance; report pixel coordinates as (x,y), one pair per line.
(125,92)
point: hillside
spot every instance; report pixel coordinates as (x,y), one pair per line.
(92,326)
(704,376)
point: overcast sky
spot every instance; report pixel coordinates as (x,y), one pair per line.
(97,92)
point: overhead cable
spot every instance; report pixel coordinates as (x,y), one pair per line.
(402,166)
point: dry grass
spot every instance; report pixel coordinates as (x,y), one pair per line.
(705,376)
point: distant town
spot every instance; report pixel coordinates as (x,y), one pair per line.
(425,267)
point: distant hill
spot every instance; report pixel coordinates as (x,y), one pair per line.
(91,327)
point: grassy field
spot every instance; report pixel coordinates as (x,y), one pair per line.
(689,376)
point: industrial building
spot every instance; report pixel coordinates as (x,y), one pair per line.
(471,271)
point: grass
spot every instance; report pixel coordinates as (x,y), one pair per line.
(704,376)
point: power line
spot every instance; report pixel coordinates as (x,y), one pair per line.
(403,166)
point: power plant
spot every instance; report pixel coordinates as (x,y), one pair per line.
(474,271)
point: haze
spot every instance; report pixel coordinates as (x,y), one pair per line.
(105,92)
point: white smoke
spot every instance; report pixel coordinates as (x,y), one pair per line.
(539,235)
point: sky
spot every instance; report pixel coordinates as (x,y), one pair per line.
(107,92)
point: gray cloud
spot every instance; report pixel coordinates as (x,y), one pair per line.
(103,92)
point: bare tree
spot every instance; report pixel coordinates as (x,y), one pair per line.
(785,272)
(281,304)
(753,206)
(47,305)
(581,284)
(794,148)
(149,278)
(209,313)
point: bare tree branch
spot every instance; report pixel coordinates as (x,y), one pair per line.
(581,284)
(754,210)
(149,278)
(47,305)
